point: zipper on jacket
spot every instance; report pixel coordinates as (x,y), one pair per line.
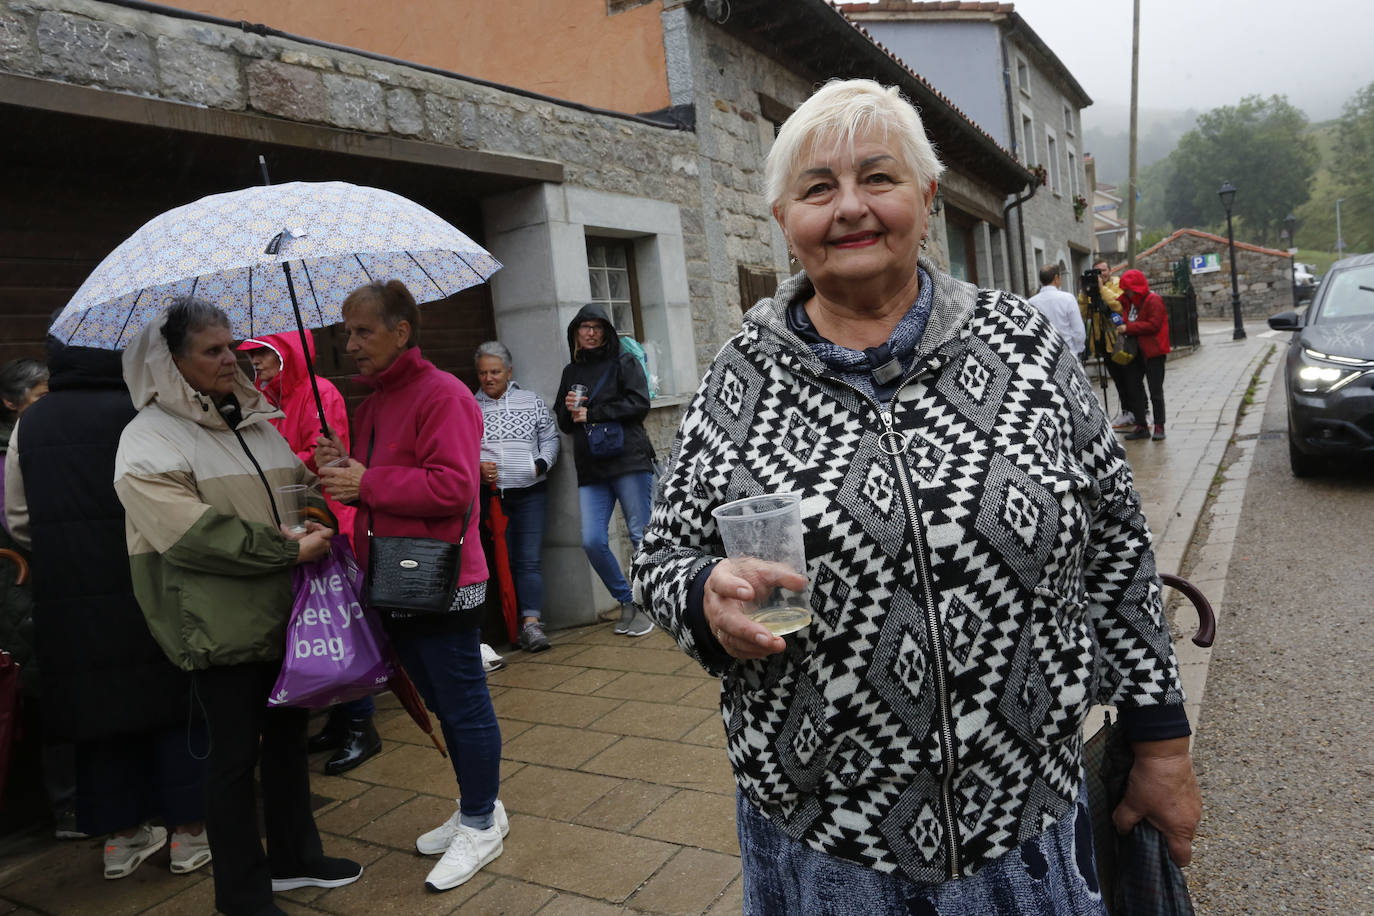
(934,632)
(271,499)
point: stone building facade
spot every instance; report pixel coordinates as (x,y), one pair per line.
(991,63)
(127,112)
(1263,275)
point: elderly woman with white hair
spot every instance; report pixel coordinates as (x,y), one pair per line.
(980,570)
(519,445)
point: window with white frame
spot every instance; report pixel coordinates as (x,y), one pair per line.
(1068,120)
(1052,162)
(1023,78)
(1073,174)
(611,269)
(1027,138)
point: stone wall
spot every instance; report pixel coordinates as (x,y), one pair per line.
(123,50)
(722,78)
(1262,276)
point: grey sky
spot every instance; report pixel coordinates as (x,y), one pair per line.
(1206,53)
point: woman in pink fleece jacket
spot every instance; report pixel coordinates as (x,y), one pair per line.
(414,473)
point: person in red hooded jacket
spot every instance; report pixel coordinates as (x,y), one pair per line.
(280,373)
(1146,319)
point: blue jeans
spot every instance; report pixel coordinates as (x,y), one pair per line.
(635,492)
(524,510)
(447,670)
(1053,874)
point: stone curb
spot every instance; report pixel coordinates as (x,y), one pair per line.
(1210,562)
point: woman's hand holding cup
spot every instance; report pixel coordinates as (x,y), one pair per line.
(314,541)
(327,449)
(575,401)
(732,591)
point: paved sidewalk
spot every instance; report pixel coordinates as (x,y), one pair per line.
(614,772)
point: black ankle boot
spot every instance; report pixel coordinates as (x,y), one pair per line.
(332,736)
(361,743)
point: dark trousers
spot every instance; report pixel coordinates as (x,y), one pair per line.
(1139,372)
(125,781)
(524,508)
(234,698)
(446,666)
(1118,375)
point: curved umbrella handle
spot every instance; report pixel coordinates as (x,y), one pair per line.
(1207,621)
(18,560)
(319,515)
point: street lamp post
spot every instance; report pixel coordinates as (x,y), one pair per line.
(1340,242)
(1290,224)
(1227,193)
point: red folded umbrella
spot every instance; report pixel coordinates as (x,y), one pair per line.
(404,688)
(505,582)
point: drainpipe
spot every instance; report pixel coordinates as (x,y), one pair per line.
(1012,122)
(1021,232)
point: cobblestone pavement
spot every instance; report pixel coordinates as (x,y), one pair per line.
(614,770)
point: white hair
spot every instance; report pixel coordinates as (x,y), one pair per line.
(494,348)
(841,111)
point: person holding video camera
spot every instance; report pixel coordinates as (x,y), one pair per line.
(1100,301)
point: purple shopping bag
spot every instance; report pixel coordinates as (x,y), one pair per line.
(335,647)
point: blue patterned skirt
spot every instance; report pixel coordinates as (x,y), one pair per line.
(1053,874)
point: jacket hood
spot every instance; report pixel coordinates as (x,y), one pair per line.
(293,372)
(1134,281)
(951,309)
(152,376)
(592,311)
(482,397)
(83,367)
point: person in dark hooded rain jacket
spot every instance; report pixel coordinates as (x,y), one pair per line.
(616,392)
(107,686)
(280,373)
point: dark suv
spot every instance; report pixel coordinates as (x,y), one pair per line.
(1330,370)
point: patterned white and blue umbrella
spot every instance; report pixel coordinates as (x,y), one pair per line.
(260,252)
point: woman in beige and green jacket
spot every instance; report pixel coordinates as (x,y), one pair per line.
(197,471)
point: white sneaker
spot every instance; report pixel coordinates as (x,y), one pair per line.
(440,838)
(190,851)
(491,661)
(469,851)
(123,854)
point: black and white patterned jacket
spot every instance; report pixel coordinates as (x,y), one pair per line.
(973,546)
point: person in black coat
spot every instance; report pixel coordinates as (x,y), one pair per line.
(616,394)
(107,686)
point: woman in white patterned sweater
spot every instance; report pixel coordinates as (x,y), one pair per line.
(980,570)
(519,445)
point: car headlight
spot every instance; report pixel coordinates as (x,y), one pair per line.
(1319,375)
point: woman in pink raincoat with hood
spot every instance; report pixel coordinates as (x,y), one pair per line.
(280,373)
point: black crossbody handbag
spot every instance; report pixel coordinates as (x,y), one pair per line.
(412,575)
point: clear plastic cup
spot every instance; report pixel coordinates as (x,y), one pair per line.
(579,393)
(768,529)
(291,505)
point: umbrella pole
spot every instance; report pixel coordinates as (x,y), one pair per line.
(305,348)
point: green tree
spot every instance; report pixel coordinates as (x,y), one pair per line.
(1352,166)
(1261,147)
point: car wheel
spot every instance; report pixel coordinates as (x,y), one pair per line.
(1303,464)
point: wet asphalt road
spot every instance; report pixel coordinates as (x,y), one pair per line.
(1285,753)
